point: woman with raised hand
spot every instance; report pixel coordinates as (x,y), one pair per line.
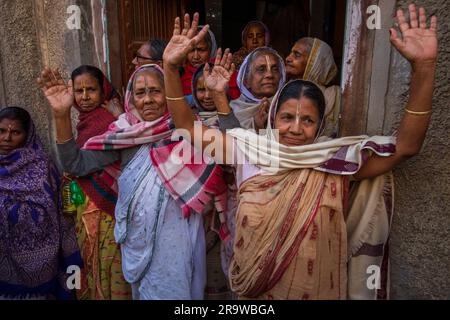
(98,105)
(299,234)
(162,197)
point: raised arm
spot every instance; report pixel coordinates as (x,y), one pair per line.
(419,46)
(60,98)
(182,42)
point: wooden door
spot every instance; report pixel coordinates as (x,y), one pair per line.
(141,20)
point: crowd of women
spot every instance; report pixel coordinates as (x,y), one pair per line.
(140,225)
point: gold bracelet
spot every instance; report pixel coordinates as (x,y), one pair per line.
(418,113)
(175,99)
(224,113)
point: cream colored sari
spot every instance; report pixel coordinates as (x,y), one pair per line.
(321,69)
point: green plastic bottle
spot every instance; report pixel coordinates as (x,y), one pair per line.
(77,195)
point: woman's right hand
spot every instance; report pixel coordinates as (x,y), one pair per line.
(262,114)
(183,41)
(58,93)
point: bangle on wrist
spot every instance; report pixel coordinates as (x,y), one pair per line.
(418,113)
(224,113)
(175,99)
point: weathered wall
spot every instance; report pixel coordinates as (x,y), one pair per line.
(20,61)
(420,238)
(34,34)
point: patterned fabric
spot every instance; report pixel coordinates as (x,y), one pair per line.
(367,225)
(101,186)
(290,237)
(102,277)
(37,243)
(190,183)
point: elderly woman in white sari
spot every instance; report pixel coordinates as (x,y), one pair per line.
(298,234)
(261,74)
(312,59)
(161,198)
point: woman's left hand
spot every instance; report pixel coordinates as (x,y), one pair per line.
(183,41)
(419,44)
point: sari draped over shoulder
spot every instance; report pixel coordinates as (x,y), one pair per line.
(37,243)
(301,232)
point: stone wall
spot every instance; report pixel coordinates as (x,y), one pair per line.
(420,238)
(34,34)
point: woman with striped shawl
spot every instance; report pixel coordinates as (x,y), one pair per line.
(98,105)
(161,195)
(299,235)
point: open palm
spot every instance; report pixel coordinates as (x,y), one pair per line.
(419,43)
(183,40)
(218,78)
(58,94)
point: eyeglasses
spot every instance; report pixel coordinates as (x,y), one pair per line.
(137,56)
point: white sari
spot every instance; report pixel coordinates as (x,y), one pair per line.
(163,254)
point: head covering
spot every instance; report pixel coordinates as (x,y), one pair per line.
(192,184)
(213,49)
(246,107)
(339,156)
(243,71)
(209,118)
(101,186)
(248,25)
(320,67)
(37,243)
(95,122)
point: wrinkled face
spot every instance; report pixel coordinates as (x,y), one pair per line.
(149,96)
(87,92)
(203,95)
(143,56)
(12,136)
(296,61)
(264,76)
(297,121)
(199,55)
(255,37)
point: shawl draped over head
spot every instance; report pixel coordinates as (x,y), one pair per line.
(189,70)
(101,186)
(192,184)
(246,107)
(37,243)
(239,56)
(368,226)
(321,69)
(209,118)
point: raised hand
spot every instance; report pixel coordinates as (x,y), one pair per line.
(183,40)
(419,43)
(217,79)
(58,93)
